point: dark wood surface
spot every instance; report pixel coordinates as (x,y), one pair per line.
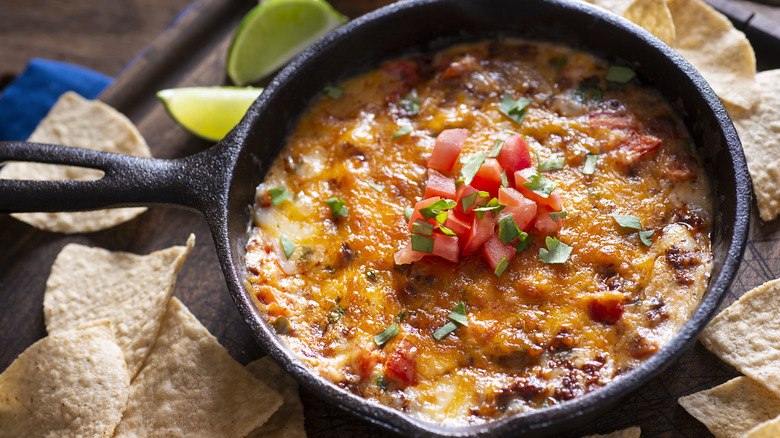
(106,35)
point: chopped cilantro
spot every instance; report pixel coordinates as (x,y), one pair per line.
(278,195)
(468,201)
(337,207)
(644,236)
(287,245)
(377,187)
(422,228)
(627,221)
(471,167)
(459,314)
(552,163)
(445,330)
(508,230)
(504,179)
(619,74)
(540,185)
(588,90)
(524,242)
(590,164)
(408,213)
(433,210)
(495,151)
(389,333)
(381,383)
(514,109)
(422,243)
(555,215)
(501,268)
(411,104)
(556,252)
(446,231)
(402,131)
(333,92)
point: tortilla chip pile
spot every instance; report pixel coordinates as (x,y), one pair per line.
(724,56)
(77,122)
(124,358)
(747,406)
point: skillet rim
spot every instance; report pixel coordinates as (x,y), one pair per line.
(225,227)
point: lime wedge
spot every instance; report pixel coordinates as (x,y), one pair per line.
(273,32)
(208,112)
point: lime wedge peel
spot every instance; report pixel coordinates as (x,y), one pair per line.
(273,32)
(208,112)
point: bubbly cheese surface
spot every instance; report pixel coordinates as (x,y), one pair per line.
(534,337)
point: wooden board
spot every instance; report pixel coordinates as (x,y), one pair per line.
(191,51)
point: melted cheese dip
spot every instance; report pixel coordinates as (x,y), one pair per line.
(535,335)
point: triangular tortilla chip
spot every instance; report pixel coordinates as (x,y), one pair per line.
(69,384)
(747,335)
(287,422)
(190,386)
(769,429)
(75,121)
(759,131)
(653,15)
(129,290)
(733,408)
(721,53)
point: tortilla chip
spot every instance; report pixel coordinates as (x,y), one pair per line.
(616,6)
(190,386)
(75,121)
(129,290)
(631,432)
(653,15)
(721,53)
(69,384)
(759,131)
(287,422)
(769,429)
(747,335)
(733,408)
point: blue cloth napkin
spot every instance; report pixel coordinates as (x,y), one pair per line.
(26,100)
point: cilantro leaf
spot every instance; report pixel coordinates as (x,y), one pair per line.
(422,243)
(444,331)
(514,109)
(287,246)
(627,221)
(422,228)
(556,252)
(408,213)
(377,187)
(552,163)
(495,151)
(389,333)
(403,130)
(435,209)
(411,104)
(459,314)
(278,195)
(540,185)
(590,164)
(619,74)
(333,92)
(524,242)
(471,167)
(501,267)
(337,207)
(555,215)
(508,230)
(644,236)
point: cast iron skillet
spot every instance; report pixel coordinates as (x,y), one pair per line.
(221,181)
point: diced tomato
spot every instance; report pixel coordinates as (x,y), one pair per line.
(463,191)
(439,185)
(481,231)
(522,209)
(458,223)
(420,205)
(447,148)
(545,223)
(362,361)
(612,121)
(553,200)
(494,250)
(607,308)
(406,71)
(446,247)
(407,255)
(488,177)
(636,147)
(400,366)
(515,154)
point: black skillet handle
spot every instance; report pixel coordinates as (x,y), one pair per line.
(127,180)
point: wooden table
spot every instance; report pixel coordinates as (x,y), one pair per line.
(106,36)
